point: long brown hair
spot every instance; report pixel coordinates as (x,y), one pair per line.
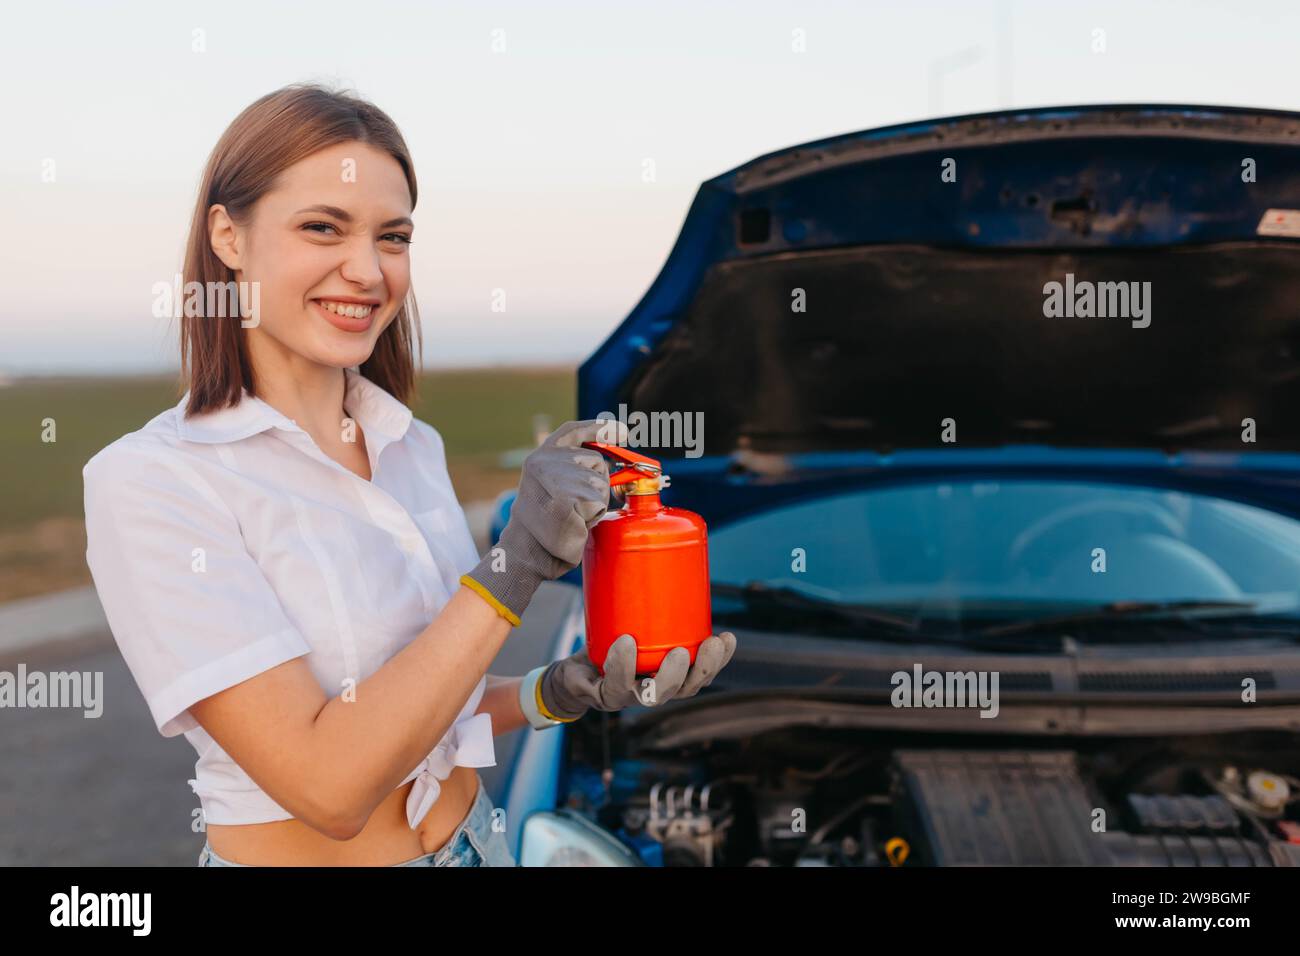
(271,134)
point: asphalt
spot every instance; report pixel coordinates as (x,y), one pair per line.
(110,790)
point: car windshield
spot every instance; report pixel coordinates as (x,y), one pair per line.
(961,557)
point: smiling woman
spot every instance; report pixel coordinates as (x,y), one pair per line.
(309,571)
(281,556)
(326,246)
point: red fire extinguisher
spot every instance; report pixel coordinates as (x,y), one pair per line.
(645,570)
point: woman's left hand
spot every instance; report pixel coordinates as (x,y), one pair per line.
(574,684)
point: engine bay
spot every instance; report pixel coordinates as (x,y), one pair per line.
(831,797)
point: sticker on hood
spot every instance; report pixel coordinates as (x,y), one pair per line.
(1280,222)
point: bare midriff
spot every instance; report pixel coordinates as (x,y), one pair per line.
(386,840)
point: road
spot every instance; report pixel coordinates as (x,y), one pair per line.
(110,791)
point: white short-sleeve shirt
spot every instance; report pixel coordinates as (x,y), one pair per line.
(228,543)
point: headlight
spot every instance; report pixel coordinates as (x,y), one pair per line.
(565,838)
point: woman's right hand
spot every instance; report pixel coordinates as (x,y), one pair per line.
(563,491)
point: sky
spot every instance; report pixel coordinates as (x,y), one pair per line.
(530,125)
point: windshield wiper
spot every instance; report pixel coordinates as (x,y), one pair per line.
(1116,611)
(879,624)
(757,594)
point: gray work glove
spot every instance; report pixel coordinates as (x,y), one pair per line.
(563,491)
(572,685)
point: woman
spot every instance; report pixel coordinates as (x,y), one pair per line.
(281,556)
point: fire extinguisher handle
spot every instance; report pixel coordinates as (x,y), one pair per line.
(634,465)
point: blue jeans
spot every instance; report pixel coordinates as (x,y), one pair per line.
(472,843)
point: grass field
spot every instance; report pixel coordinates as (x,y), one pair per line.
(480,413)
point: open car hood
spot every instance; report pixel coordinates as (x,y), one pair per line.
(925,299)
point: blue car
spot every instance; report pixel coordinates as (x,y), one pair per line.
(999,449)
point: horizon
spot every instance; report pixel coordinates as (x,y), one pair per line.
(558,151)
(18,378)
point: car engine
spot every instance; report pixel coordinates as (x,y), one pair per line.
(803,798)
